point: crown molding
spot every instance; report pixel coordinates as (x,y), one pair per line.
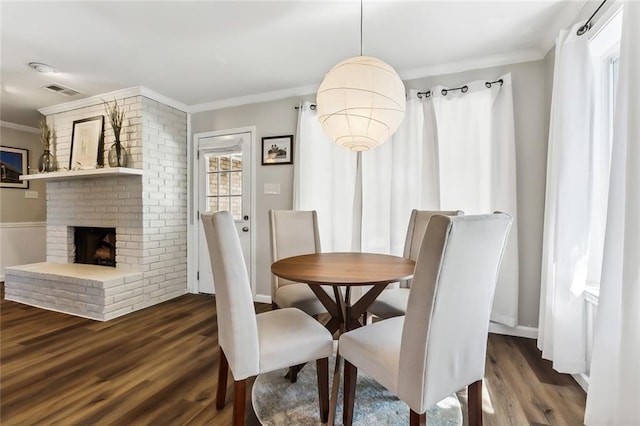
(20,127)
(255,98)
(411,74)
(116,94)
(473,64)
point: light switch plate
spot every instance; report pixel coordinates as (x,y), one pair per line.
(272,188)
(31,194)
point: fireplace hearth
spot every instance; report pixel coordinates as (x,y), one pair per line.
(95,246)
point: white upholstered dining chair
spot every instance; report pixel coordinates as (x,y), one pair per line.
(392,302)
(252,344)
(439,346)
(294,233)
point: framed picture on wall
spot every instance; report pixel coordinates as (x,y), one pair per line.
(86,143)
(277,150)
(13,163)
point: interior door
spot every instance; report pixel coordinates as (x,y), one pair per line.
(224,183)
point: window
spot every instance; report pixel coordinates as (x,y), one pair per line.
(605,51)
(224,183)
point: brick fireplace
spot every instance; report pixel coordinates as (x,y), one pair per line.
(147,211)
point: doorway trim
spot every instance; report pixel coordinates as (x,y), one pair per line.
(192,205)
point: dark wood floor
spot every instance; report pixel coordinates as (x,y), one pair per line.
(157,366)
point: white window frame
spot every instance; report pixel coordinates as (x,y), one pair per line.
(604,42)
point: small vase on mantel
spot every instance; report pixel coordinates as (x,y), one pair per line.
(118,156)
(47,162)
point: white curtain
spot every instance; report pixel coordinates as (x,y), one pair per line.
(477,169)
(614,383)
(567,218)
(324,180)
(395,182)
(435,163)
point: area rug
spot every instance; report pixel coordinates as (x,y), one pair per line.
(278,402)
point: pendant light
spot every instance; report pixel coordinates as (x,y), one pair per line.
(361,101)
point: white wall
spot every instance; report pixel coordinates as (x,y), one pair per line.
(531,93)
(21,243)
(22,220)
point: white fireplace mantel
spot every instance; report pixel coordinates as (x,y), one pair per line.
(83,174)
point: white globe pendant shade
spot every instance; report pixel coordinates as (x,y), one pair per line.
(361,102)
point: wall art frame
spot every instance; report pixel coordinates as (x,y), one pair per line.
(13,163)
(87,143)
(277,150)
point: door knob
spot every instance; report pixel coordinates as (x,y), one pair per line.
(245,229)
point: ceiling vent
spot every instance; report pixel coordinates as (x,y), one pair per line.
(58,88)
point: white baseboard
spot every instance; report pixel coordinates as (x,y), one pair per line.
(583,381)
(262,298)
(518,330)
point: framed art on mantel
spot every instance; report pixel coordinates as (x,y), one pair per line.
(13,163)
(277,150)
(86,143)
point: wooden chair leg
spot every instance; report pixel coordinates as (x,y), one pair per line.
(223,368)
(239,401)
(474,403)
(416,419)
(293,373)
(322,368)
(350,376)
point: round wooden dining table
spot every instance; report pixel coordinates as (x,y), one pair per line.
(344,270)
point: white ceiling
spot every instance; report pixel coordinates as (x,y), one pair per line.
(208,54)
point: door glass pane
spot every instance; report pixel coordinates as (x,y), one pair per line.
(236,183)
(236,208)
(212,164)
(213,184)
(236,162)
(212,204)
(225,163)
(223,204)
(224,184)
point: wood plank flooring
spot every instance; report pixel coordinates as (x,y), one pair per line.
(158,367)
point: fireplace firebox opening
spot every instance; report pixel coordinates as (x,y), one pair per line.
(95,246)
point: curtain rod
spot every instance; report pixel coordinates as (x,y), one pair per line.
(463,89)
(587,26)
(444,92)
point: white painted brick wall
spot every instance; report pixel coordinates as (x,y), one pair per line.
(99,299)
(165,201)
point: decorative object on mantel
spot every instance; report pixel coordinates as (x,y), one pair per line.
(117,152)
(47,161)
(86,143)
(361,101)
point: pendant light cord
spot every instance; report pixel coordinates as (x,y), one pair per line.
(360,27)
